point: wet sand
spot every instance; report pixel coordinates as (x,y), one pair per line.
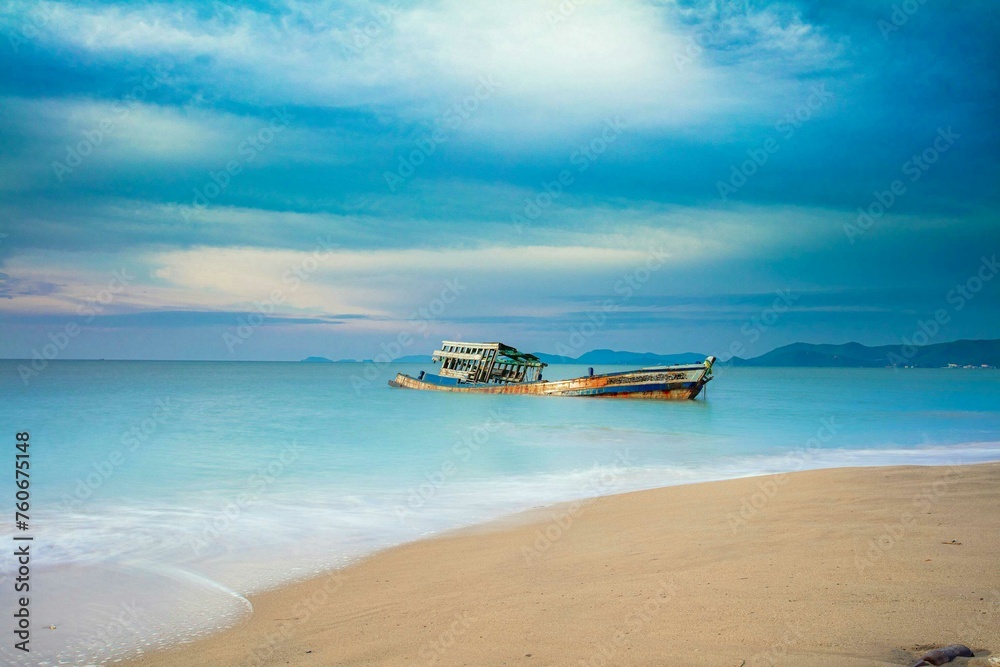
(851,566)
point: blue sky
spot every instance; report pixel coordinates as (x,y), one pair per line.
(184,180)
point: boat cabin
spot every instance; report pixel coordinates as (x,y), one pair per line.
(488,363)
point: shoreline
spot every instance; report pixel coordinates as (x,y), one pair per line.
(672,575)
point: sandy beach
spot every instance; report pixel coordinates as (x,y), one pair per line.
(851,566)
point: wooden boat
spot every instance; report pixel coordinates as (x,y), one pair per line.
(495,368)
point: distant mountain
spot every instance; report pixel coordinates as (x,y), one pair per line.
(612,357)
(413,358)
(854,355)
(595,357)
(847,355)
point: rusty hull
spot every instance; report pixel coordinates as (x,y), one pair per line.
(669,383)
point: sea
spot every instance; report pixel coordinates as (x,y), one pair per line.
(163,494)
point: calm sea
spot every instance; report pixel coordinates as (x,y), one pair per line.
(165,492)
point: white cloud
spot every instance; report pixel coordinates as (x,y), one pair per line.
(71,135)
(601,59)
(382,283)
(529,273)
(76,131)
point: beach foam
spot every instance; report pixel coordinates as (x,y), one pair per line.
(246,485)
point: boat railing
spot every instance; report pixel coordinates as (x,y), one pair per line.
(487,363)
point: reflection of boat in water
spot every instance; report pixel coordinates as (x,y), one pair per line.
(495,368)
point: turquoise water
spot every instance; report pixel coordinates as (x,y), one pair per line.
(165,492)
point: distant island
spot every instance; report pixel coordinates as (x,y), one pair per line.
(408,359)
(595,357)
(955,354)
(613,357)
(959,353)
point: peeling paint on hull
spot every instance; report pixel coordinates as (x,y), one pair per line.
(676,383)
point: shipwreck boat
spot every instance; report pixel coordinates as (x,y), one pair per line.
(495,368)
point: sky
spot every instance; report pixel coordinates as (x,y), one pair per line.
(270,181)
